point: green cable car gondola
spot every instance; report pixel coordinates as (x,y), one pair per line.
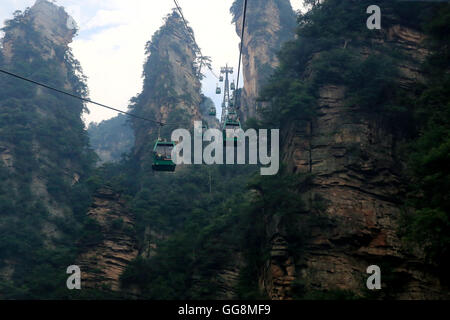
(228,130)
(218,90)
(221,78)
(233,86)
(162,156)
(212,111)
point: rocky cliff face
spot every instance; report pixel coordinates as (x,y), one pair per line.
(52,24)
(43,147)
(171,94)
(44,31)
(37,37)
(357,171)
(269,24)
(171,91)
(103,262)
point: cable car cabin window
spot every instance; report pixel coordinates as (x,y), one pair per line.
(164,152)
(162,157)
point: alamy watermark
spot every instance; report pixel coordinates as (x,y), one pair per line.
(236,147)
(374,281)
(374,21)
(74,280)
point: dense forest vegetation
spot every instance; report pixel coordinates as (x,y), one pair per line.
(46,137)
(419,116)
(205,214)
(429,153)
(111,138)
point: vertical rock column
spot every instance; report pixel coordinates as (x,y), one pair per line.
(269,23)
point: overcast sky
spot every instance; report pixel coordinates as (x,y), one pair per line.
(112,37)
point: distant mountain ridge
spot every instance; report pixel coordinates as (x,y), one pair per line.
(111,138)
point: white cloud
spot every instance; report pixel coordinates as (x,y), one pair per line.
(113,34)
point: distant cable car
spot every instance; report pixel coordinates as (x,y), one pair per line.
(233,86)
(218,90)
(162,156)
(228,130)
(221,78)
(212,111)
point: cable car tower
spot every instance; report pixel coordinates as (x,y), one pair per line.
(230,120)
(228,100)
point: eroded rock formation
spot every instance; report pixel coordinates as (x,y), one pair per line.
(172,89)
(269,23)
(103,263)
(53,25)
(43,150)
(357,169)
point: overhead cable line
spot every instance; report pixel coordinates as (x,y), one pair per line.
(160,123)
(193,39)
(78,97)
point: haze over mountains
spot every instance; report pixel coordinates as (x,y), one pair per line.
(363,117)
